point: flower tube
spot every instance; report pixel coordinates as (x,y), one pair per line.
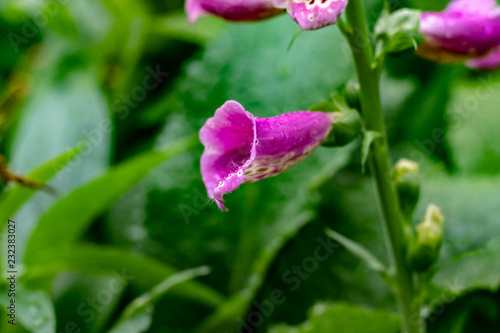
(464,30)
(241,148)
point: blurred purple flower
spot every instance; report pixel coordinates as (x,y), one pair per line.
(242,148)
(309,14)
(313,14)
(489,62)
(465,29)
(232,10)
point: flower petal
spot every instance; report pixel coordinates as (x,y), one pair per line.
(489,62)
(314,14)
(242,148)
(232,10)
(468,6)
(229,139)
(465,29)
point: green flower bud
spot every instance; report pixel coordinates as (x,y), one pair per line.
(424,251)
(346,127)
(406,175)
(351,94)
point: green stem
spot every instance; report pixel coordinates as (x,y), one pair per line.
(392,224)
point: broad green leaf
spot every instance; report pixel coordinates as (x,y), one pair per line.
(359,251)
(34,309)
(64,108)
(85,302)
(86,203)
(175,25)
(137,315)
(469,205)
(138,322)
(345,318)
(473,122)
(89,259)
(476,312)
(12,199)
(471,271)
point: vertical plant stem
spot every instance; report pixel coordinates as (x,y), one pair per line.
(392,223)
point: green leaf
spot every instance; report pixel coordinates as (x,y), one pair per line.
(86,203)
(137,316)
(12,199)
(66,107)
(360,251)
(34,309)
(89,259)
(176,25)
(368,139)
(471,271)
(140,321)
(473,122)
(345,318)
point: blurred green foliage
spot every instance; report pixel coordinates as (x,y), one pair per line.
(130,211)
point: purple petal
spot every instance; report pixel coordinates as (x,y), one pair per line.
(313,14)
(472,6)
(232,10)
(242,148)
(489,62)
(463,30)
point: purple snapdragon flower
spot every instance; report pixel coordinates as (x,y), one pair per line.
(309,14)
(464,30)
(489,62)
(313,14)
(242,148)
(232,10)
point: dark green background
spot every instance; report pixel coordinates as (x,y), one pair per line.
(68,76)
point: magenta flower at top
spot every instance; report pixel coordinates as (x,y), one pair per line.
(242,148)
(232,10)
(313,14)
(465,29)
(309,14)
(489,62)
